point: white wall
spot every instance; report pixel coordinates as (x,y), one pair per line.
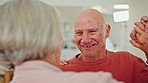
(115,29)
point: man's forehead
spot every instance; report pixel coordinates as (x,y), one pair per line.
(90,18)
(88,26)
(88,21)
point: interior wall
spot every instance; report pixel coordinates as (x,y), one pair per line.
(115,30)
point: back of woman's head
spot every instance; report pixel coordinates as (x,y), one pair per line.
(28,30)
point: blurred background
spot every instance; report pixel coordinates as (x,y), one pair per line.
(120,14)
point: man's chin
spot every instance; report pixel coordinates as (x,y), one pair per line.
(90,54)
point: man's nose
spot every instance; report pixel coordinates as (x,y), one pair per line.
(86,38)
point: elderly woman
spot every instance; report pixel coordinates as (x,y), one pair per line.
(30,41)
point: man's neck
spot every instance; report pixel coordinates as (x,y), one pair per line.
(87,59)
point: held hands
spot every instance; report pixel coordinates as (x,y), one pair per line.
(139,36)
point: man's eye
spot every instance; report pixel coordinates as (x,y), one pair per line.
(92,31)
(78,33)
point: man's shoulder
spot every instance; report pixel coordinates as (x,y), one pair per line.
(122,57)
(70,66)
(121,54)
(70,62)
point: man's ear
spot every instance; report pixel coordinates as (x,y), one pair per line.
(73,40)
(107,30)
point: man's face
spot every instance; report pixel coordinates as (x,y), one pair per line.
(89,36)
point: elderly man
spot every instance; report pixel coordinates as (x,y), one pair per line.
(91,32)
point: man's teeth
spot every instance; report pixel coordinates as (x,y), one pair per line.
(88,46)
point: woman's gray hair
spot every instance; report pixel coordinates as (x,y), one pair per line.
(29,29)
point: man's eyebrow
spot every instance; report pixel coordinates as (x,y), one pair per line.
(94,29)
(77,31)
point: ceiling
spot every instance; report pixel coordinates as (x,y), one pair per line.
(73,7)
(105,5)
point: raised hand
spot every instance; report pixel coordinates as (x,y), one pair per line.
(139,36)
